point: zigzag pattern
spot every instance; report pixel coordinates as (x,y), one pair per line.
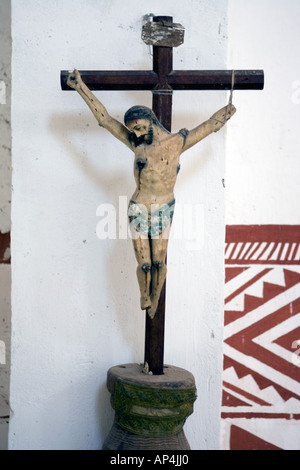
(261,378)
(260,253)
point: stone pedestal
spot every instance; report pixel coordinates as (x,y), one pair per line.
(150,410)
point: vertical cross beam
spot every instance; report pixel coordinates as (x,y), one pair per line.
(162,107)
(162,93)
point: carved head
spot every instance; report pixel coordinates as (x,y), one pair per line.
(140,120)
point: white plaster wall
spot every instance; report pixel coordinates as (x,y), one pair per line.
(75,298)
(5,333)
(5,129)
(262,157)
(5,200)
(262,162)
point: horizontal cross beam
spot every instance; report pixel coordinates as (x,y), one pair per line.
(176,80)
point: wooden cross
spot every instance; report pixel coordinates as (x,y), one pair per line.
(162,80)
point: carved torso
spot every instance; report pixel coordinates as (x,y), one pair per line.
(155,170)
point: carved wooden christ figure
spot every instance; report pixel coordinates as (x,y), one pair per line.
(156,166)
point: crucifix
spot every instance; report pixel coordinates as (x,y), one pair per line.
(141,128)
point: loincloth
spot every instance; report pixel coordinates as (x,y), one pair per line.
(152,223)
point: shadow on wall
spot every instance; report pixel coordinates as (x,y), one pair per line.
(120,265)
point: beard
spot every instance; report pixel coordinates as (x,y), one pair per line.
(146,139)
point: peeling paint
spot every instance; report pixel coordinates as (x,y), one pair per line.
(4,247)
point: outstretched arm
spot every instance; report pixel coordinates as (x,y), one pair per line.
(214,124)
(99,111)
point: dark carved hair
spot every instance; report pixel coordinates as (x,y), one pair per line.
(141,112)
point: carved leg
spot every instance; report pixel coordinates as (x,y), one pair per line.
(142,253)
(144,279)
(159,269)
(159,272)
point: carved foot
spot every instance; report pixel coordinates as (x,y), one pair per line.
(152,310)
(145,303)
(150,313)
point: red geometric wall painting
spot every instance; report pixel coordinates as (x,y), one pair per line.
(261,373)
